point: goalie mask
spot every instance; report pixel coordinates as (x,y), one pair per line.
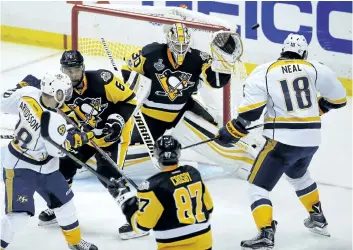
(72,64)
(167,151)
(179,41)
(57,85)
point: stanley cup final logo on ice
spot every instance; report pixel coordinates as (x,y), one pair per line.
(89,109)
(173,83)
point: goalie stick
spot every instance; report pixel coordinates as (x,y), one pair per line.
(45,119)
(138,116)
(100,151)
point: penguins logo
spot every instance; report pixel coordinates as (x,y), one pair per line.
(173,83)
(88,110)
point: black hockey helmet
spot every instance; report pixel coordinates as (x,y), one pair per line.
(167,150)
(72,64)
(71,58)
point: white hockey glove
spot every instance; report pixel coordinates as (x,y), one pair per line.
(226,49)
(120,191)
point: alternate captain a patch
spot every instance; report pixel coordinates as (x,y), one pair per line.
(62,129)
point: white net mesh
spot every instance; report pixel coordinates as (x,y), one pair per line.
(124,35)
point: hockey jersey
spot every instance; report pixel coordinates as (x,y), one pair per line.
(172,85)
(289,90)
(177,206)
(101,95)
(28,145)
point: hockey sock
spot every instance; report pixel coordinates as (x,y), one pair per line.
(67,220)
(10,224)
(306,190)
(261,206)
(309,196)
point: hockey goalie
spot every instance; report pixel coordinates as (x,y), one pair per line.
(170,75)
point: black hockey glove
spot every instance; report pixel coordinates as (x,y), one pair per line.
(113,127)
(127,201)
(232,132)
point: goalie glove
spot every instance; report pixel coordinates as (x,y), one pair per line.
(226,49)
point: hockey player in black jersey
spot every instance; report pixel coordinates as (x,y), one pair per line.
(175,70)
(174,203)
(101,103)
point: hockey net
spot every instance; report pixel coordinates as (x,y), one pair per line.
(127,28)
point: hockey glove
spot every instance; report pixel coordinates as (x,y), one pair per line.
(113,127)
(76,139)
(232,132)
(29,80)
(226,49)
(126,200)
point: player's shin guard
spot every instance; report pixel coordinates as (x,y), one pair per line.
(261,206)
(67,220)
(306,190)
(10,224)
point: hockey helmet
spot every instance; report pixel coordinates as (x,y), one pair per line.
(179,42)
(167,151)
(72,64)
(57,85)
(296,44)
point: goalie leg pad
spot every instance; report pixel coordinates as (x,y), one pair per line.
(192,129)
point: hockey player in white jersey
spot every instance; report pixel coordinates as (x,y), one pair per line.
(289,89)
(31,163)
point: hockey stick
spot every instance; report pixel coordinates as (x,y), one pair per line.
(45,133)
(100,151)
(212,139)
(138,116)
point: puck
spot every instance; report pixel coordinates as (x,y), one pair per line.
(255,26)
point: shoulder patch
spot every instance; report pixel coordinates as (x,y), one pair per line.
(106,76)
(145,185)
(204,56)
(62,129)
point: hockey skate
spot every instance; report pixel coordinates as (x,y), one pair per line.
(83,245)
(316,222)
(264,240)
(126,232)
(47,217)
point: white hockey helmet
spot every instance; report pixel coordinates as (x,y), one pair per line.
(57,85)
(179,41)
(297,44)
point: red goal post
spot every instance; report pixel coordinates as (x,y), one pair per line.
(78,10)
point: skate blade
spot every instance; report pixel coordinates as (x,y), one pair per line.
(260,248)
(47,223)
(320,231)
(132,235)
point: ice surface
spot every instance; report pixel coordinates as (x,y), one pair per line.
(232,221)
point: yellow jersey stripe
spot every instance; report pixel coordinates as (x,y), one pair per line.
(286,62)
(294,119)
(251,107)
(35,106)
(339,101)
